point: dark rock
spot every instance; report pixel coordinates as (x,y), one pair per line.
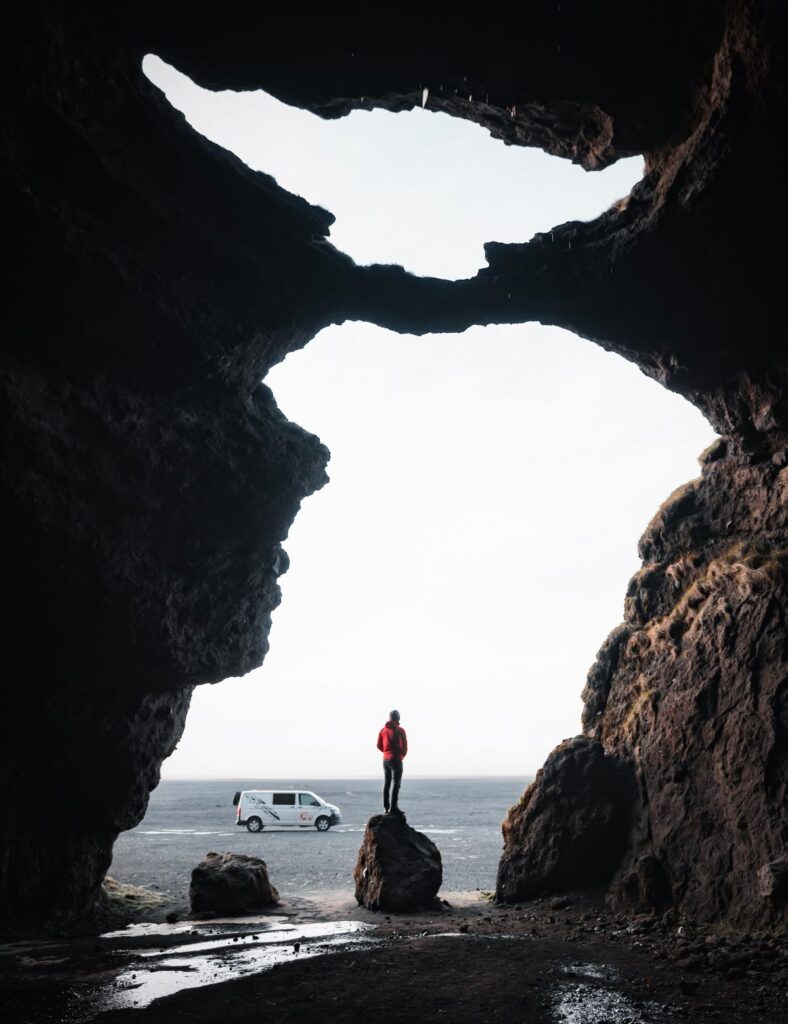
(696,678)
(691,963)
(398,868)
(773,882)
(570,827)
(647,886)
(701,680)
(231,883)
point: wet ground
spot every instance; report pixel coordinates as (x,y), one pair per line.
(562,961)
(77,981)
(320,958)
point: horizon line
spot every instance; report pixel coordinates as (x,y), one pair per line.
(354,778)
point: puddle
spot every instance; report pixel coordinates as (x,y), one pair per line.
(123,974)
(160,973)
(213,926)
(288,934)
(141,931)
(487,937)
(595,971)
(589,1004)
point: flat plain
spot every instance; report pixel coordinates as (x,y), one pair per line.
(187,818)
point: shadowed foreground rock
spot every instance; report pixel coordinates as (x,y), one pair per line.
(570,827)
(398,868)
(231,883)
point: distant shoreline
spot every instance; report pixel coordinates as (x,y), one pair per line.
(525,776)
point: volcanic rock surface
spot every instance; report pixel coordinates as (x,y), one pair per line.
(698,698)
(231,883)
(692,692)
(570,827)
(398,868)
(148,479)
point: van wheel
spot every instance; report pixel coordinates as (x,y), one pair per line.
(254,825)
(322,824)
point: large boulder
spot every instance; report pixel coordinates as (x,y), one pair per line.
(231,883)
(398,868)
(570,827)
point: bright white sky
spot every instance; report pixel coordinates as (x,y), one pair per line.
(472,549)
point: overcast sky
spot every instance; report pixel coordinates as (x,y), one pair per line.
(488,489)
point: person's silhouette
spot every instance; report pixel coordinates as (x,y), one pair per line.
(393,742)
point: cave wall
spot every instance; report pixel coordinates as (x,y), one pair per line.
(687,708)
(148,479)
(698,698)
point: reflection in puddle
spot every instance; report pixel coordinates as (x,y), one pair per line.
(162,972)
(146,929)
(289,933)
(596,971)
(214,926)
(588,1004)
(74,983)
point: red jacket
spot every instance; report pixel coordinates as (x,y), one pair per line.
(393,741)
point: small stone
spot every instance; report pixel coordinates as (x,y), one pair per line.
(773,882)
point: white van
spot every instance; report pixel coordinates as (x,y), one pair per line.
(257,808)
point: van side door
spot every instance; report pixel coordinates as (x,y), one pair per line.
(284,806)
(308,808)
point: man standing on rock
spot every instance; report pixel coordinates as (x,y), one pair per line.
(394,744)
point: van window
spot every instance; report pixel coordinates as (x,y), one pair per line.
(284,798)
(307,800)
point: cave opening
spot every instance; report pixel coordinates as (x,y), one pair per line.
(409,188)
(150,479)
(453,552)
(486,495)
(423,518)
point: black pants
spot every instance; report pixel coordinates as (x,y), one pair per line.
(392,770)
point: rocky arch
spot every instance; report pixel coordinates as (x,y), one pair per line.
(148,478)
